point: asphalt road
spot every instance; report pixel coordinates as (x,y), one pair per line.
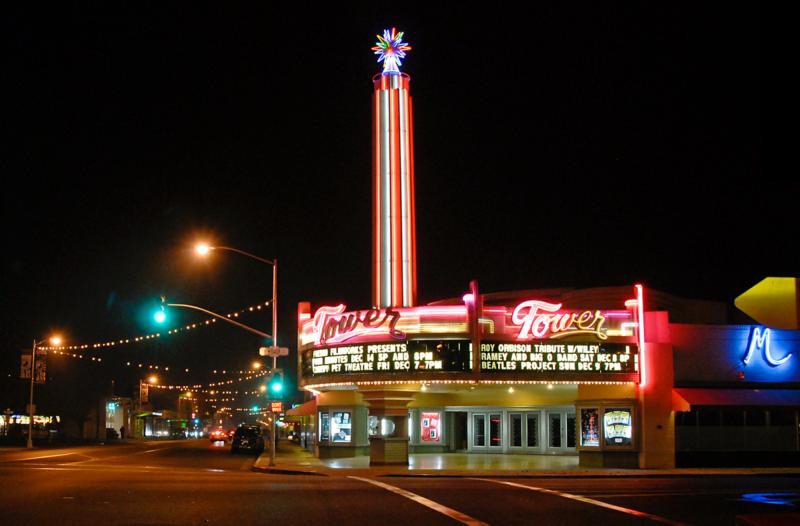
(193,482)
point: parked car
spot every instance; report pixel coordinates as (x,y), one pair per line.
(248,438)
(177,433)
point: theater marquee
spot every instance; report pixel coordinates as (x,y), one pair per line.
(531,339)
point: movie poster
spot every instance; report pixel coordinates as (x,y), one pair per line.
(430,429)
(590,428)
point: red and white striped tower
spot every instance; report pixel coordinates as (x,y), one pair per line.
(394,267)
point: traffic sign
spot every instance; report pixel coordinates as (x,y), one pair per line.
(276,407)
(273,351)
(772,302)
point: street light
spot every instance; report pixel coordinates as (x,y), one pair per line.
(202,249)
(55,341)
(151,380)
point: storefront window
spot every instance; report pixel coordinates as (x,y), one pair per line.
(732,417)
(685,418)
(374,425)
(430,430)
(618,427)
(709,417)
(341,427)
(324,427)
(590,427)
(755,417)
(516,429)
(781,417)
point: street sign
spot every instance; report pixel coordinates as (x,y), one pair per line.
(273,351)
(773,302)
(276,407)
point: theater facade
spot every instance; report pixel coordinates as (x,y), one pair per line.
(617,376)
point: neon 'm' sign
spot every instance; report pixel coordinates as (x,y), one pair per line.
(760,339)
(537,324)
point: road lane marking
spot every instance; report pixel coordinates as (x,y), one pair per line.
(46,456)
(453,514)
(94,459)
(588,501)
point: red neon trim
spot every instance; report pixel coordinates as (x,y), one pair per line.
(396,258)
(412,204)
(407,221)
(376,200)
(640,320)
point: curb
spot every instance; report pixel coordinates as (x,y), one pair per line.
(283,471)
(495,475)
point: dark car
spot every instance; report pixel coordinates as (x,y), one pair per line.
(248,438)
(177,433)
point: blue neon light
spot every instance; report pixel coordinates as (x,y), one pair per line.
(760,339)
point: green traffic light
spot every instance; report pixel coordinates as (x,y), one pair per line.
(160,316)
(276,387)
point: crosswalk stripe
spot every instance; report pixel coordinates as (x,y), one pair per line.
(588,501)
(453,514)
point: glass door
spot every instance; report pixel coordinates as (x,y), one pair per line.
(533,442)
(555,438)
(495,431)
(478,441)
(515,432)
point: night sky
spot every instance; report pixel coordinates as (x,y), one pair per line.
(574,147)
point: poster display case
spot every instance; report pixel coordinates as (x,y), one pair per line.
(335,427)
(607,425)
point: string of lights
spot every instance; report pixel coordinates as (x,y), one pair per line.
(150,367)
(205,387)
(137,339)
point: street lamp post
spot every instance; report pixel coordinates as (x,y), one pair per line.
(54,341)
(203,249)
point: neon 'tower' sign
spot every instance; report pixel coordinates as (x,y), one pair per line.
(332,326)
(539,319)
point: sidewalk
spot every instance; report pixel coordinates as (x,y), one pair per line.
(291,459)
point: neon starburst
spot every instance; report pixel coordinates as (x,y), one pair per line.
(390,49)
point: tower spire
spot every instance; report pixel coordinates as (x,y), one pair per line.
(394,245)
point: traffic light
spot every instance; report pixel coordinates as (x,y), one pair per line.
(160,316)
(276,384)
